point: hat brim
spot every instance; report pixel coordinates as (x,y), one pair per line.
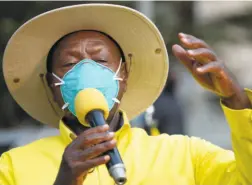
(24,61)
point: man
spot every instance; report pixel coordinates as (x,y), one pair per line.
(109,47)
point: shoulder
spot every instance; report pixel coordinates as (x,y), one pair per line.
(165,142)
(175,138)
(18,163)
(140,134)
(164,147)
(37,148)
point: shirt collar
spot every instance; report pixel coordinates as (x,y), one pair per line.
(67,135)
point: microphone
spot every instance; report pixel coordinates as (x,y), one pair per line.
(92,109)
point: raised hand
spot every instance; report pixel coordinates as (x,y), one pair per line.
(210,71)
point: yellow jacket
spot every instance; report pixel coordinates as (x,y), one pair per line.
(149,160)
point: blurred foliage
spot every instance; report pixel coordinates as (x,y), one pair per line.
(170,17)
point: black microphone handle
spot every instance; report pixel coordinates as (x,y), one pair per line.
(96,118)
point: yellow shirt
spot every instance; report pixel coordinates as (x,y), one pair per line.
(149,160)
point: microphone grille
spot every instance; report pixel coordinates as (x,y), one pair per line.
(87,100)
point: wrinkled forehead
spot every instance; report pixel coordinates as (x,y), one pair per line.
(94,38)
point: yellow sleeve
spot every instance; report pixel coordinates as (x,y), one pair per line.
(216,166)
(6,172)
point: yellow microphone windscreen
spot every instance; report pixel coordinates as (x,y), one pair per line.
(87,100)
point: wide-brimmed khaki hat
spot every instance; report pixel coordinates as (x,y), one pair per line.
(24,61)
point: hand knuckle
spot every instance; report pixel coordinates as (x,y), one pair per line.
(100,129)
(107,134)
(70,156)
(68,162)
(203,50)
(72,165)
(107,145)
(86,139)
(99,148)
(91,163)
(87,152)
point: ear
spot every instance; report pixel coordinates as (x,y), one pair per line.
(124,76)
(49,79)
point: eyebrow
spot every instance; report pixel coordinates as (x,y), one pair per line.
(94,49)
(96,46)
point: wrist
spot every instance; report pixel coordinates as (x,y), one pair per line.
(66,177)
(238,101)
(67,180)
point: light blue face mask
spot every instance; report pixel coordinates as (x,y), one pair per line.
(89,74)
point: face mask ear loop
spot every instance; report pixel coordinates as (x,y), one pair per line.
(58,78)
(117,71)
(116,100)
(47,95)
(65,106)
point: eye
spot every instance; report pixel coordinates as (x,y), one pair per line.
(101,61)
(69,64)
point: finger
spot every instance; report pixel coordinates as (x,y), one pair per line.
(97,138)
(97,129)
(202,55)
(97,150)
(77,142)
(181,54)
(213,67)
(85,141)
(92,163)
(191,42)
